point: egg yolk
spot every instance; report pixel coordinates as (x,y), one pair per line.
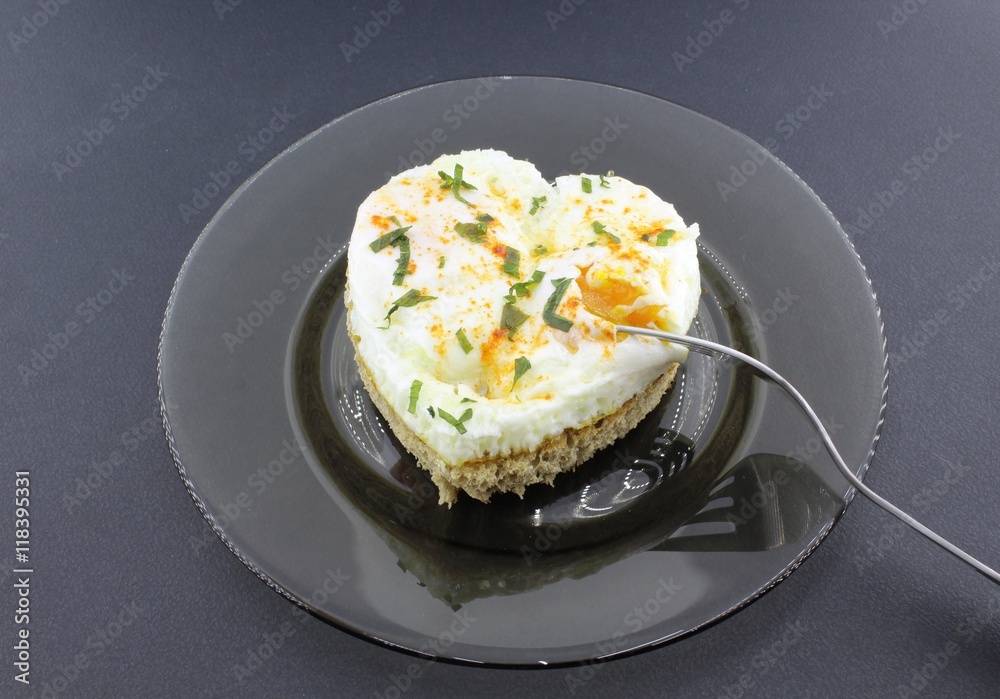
(611,299)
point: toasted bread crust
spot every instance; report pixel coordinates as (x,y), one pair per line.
(513,472)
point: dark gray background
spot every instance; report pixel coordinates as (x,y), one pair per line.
(873,605)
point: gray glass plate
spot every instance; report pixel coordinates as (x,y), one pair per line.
(717,495)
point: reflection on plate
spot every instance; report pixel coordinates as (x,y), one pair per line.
(660,488)
(654,474)
(714,497)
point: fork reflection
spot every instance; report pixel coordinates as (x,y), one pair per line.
(766,501)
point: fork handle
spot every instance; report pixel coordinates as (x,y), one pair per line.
(708,347)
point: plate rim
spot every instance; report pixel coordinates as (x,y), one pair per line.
(345,626)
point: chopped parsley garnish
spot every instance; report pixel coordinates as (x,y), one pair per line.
(403,266)
(414,393)
(663,237)
(455,183)
(549,314)
(463,341)
(466,400)
(430,409)
(511,319)
(523,288)
(396,221)
(536,204)
(521,365)
(599,229)
(397,238)
(587,186)
(476,232)
(410,298)
(441,262)
(390,238)
(604,182)
(539,250)
(457,423)
(485,218)
(512,262)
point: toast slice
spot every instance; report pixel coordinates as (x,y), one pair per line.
(483,477)
(485,311)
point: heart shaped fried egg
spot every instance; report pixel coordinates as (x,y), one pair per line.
(483,300)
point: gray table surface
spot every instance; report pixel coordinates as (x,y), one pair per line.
(132,595)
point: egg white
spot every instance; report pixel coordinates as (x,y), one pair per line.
(575,376)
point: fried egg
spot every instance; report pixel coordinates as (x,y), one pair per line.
(483,300)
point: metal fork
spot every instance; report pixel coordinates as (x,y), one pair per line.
(713,348)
